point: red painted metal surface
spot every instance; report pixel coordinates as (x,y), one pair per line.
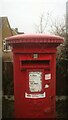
(34,75)
(35,38)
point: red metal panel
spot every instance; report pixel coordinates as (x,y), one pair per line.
(35,38)
(28,107)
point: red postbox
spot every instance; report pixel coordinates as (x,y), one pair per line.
(34,74)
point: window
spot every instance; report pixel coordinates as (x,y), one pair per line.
(6,48)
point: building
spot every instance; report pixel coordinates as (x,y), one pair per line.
(7,58)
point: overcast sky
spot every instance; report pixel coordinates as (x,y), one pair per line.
(24,14)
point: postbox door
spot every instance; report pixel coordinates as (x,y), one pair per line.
(38,91)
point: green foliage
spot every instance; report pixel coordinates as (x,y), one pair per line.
(62,77)
(7,84)
(62,109)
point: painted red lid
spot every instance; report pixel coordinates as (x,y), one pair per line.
(34,38)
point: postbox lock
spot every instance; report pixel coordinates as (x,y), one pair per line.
(51,97)
(47,110)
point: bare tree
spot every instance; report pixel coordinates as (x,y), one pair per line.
(41,27)
(58,27)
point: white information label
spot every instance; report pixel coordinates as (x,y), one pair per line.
(43,95)
(35,81)
(47,76)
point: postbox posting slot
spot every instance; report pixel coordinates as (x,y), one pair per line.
(35,64)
